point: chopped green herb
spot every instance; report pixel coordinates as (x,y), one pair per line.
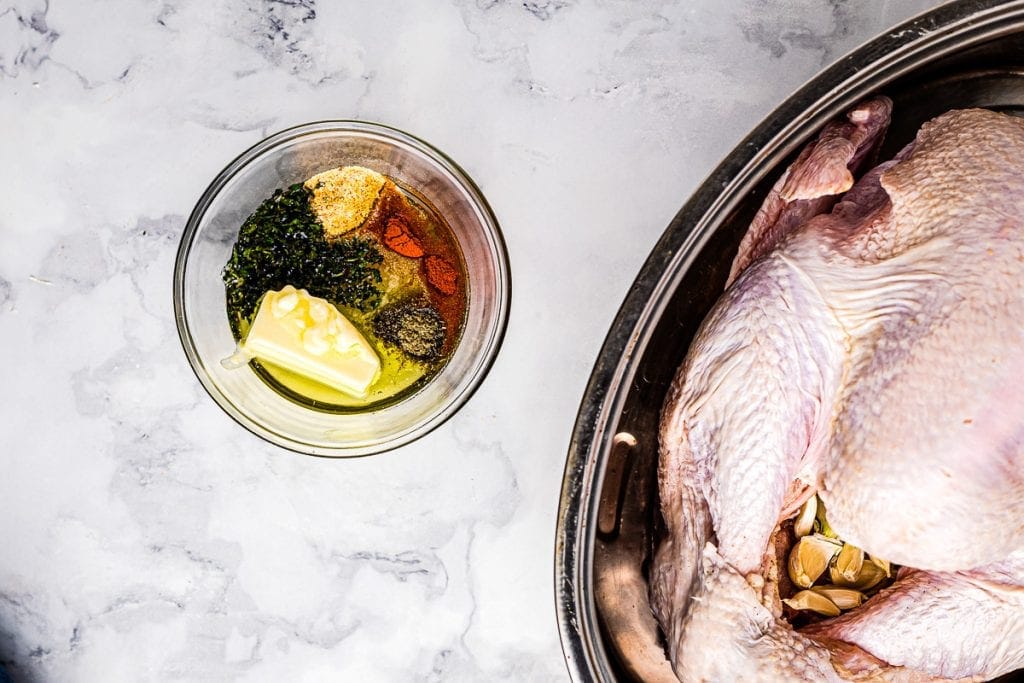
(282,243)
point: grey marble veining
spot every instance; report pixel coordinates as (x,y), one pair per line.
(144,535)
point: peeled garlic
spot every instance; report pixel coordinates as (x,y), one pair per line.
(816,602)
(882,564)
(810,558)
(870,576)
(804,523)
(843,598)
(848,564)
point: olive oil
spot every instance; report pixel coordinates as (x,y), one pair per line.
(399,376)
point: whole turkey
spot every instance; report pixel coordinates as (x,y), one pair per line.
(869,348)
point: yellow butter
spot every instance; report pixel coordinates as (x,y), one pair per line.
(309,336)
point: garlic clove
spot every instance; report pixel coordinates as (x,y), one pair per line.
(815,602)
(870,575)
(843,598)
(882,564)
(809,559)
(804,523)
(848,563)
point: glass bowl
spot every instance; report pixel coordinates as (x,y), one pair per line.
(292,156)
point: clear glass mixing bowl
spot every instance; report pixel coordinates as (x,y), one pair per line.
(289,157)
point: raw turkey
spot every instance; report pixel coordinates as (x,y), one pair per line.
(869,348)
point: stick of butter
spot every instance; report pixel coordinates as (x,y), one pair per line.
(309,336)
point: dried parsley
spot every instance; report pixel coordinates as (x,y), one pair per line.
(282,243)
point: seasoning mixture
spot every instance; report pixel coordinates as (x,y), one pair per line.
(344,291)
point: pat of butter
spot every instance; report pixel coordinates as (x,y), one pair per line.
(309,336)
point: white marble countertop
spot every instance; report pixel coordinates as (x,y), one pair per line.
(143,534)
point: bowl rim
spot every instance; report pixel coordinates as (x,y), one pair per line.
(926,36)
(486,356)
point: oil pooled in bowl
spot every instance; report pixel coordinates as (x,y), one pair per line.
(377,252)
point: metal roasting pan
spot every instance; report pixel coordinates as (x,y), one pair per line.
(964,54)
